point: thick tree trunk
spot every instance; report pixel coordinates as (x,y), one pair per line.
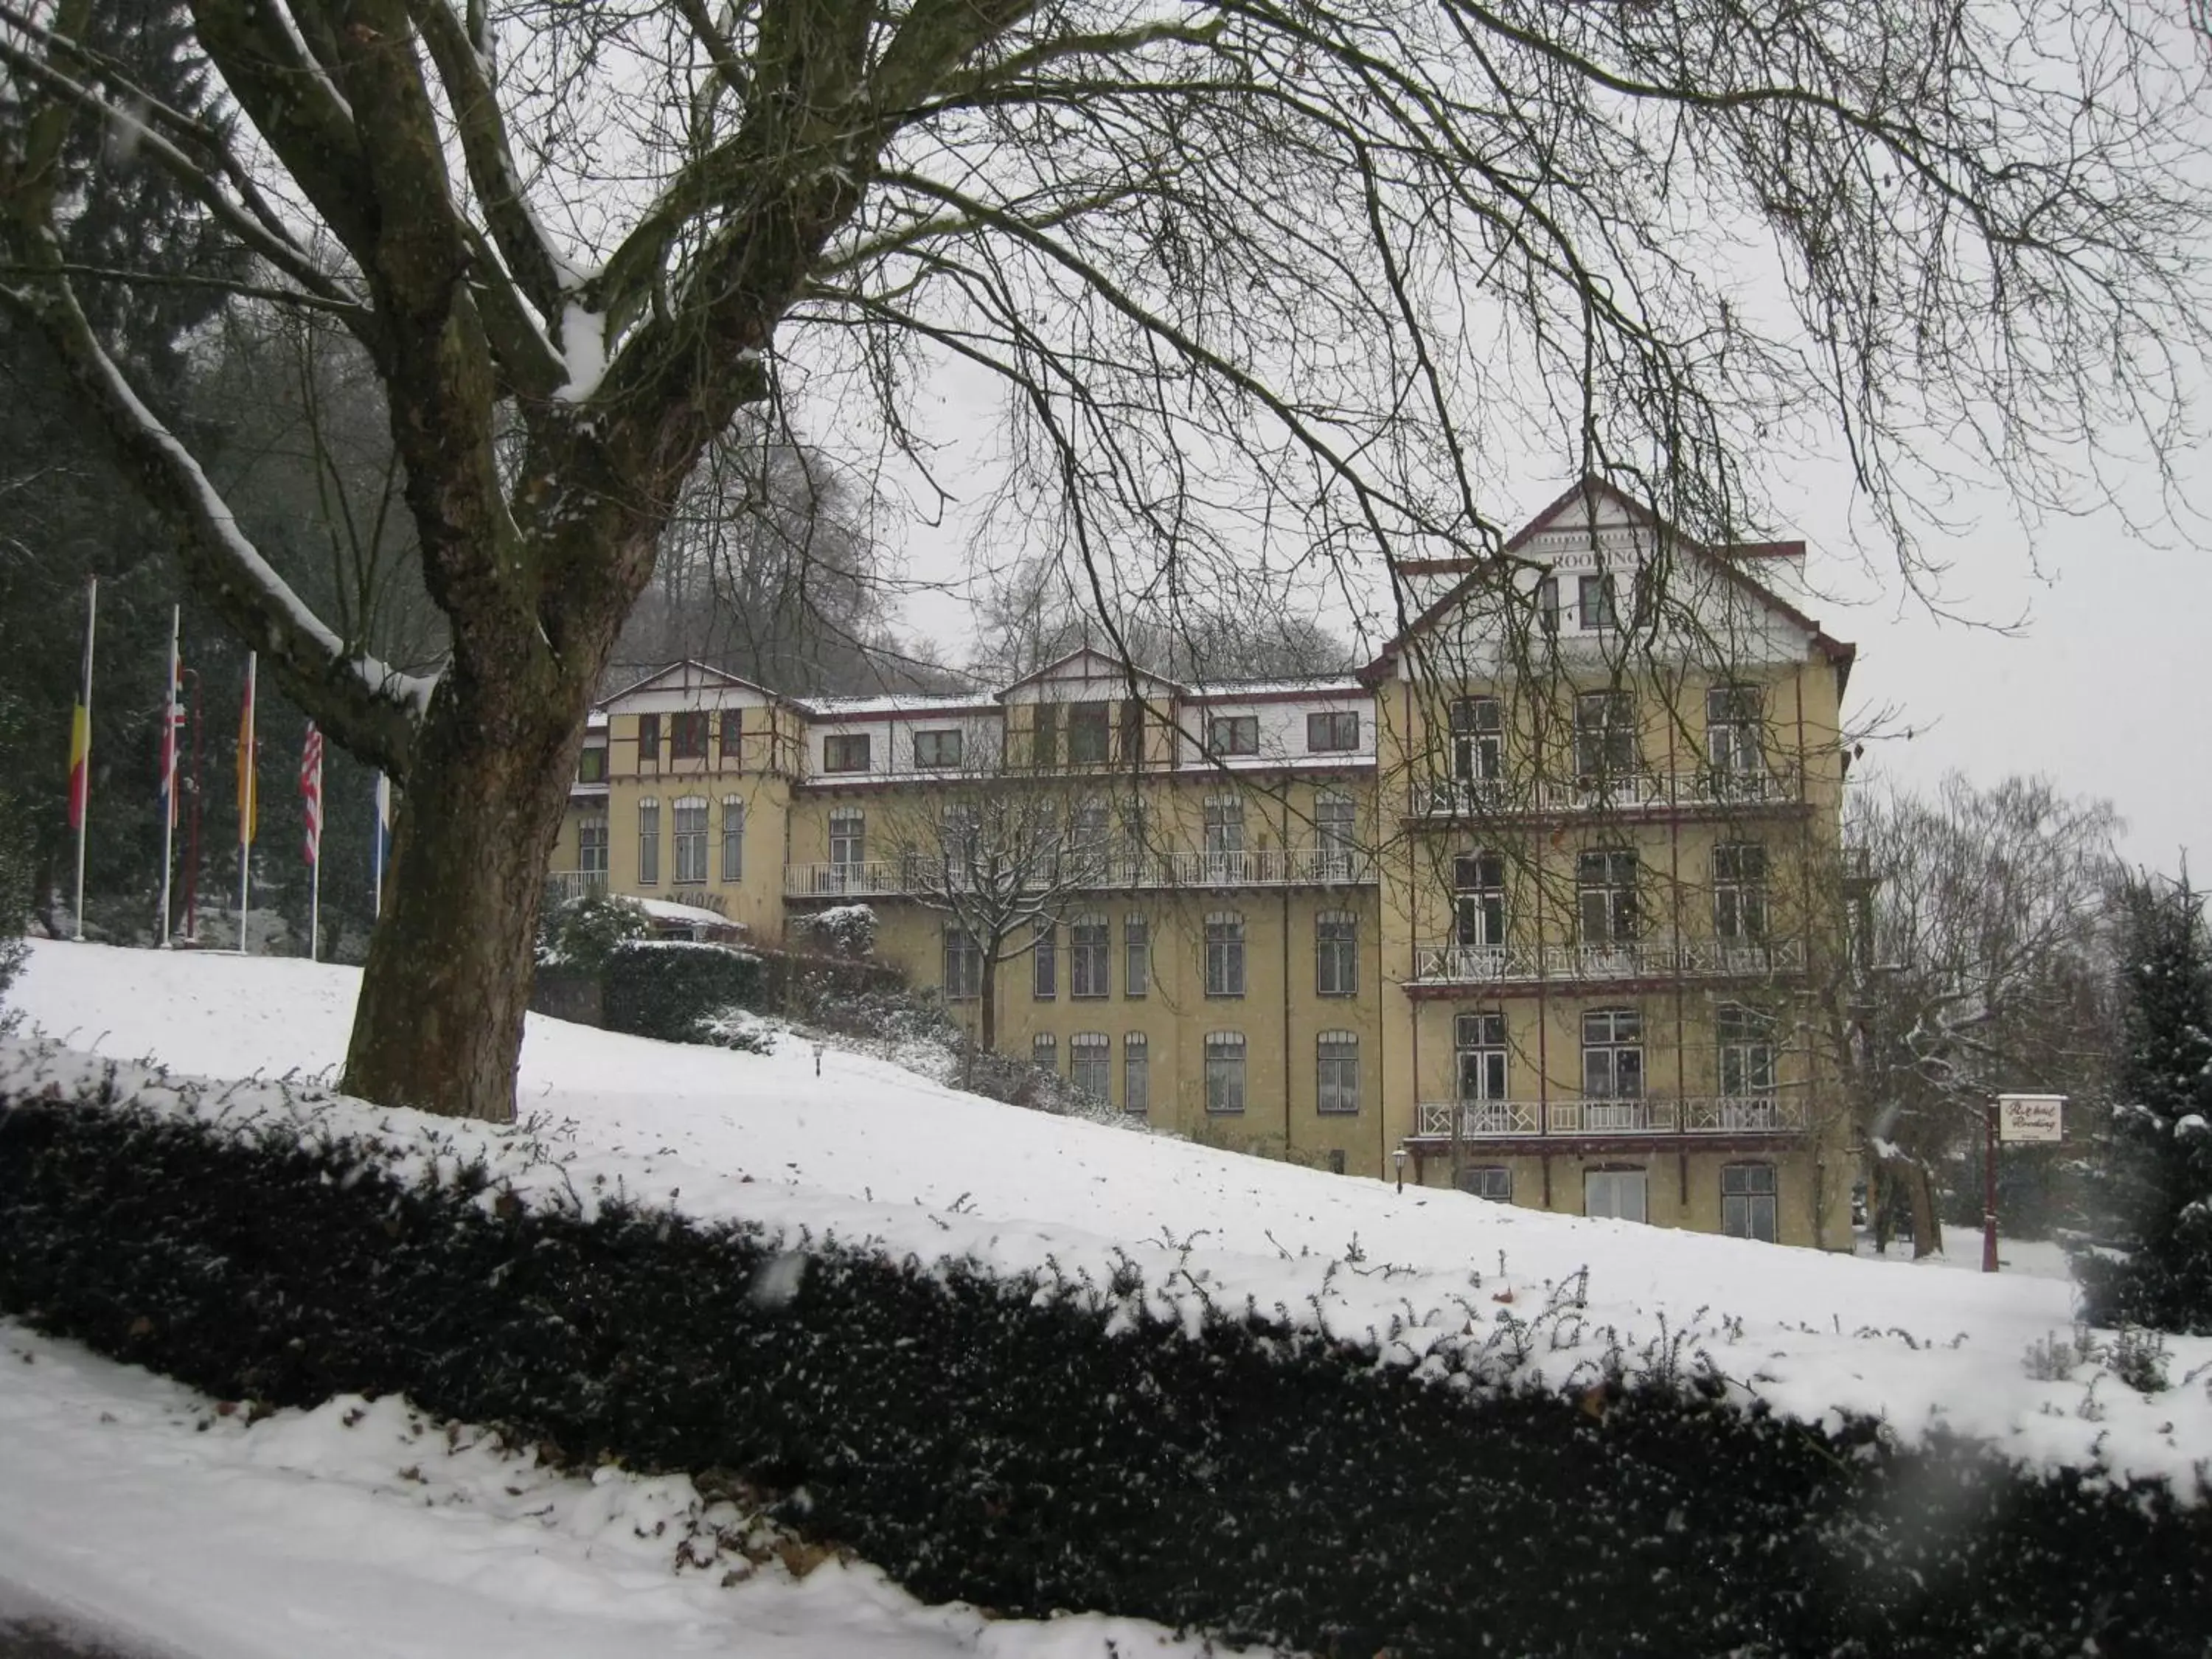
(989,1038)
(439,1024)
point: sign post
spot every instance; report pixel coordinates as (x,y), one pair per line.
(2017,1119)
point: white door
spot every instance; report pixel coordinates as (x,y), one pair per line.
(1616,1194)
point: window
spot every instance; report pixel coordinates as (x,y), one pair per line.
(1740,893)
(1225,838)
(1479,1039)
(935,751)
(591,845)
(1089,957)
(1224,954)
(963,964)
(1747,1194)
(648,741)
(1044,735)
(1090,1059)
(1336,835)
(1089,733)
(1044,962)
(733,839)
(1336,953)
(1605,896)
(845,753)
(1605,734)
(1595,597)
(1225,1071)
(1479,900)
(1044,1052)
(1613,1057)
(1547,604)
(592,764)
(1746,1052)
(1136,1075)
(1734,715)
(687,737)
(1338,1064)
(1136,955)
(1492,1180)
(733,736)
(1616,1194)
(1333,732)
(1232,734)
(1133,732)
(1478,738)
(1091,839)
(849,838)
(691,841)
(649,841)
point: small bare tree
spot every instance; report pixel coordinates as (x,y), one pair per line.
(1001,857)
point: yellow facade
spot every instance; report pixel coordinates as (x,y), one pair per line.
(1539,917)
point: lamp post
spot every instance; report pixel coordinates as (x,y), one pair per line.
(1398,1158)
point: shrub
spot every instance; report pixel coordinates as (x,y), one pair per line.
(1038,1442)
(847,931)
(673,988)
(584,934)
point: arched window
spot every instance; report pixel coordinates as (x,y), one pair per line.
(1136,1074)
(1224,954)
(1090,955)
(649,841)
(1224,1072)
(1090,1059)
(591,844)
(733,838)
(1336,1060)
(691,841)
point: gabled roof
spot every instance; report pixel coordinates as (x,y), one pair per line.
(652,682)
(1110,668)
(1588,494)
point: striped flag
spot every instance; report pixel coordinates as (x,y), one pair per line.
(79,774)
(311,791)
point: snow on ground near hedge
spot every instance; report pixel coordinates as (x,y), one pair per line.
(867,1149)
(357,1530)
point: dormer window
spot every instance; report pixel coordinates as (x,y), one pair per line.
(1090,733)
(687,737)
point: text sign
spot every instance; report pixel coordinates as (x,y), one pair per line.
(2030,1117)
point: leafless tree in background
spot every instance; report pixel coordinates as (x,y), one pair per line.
(1269,288)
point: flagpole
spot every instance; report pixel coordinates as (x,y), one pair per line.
(245,803)
(170,768)
(80,774)
(381,843)
(311,814)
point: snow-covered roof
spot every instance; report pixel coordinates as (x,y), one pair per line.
(691,915)
(905,702)
(1323,685)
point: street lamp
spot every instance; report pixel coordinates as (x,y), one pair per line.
(1398,1158)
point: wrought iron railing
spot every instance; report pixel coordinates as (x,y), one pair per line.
(1266,866)
(1493,1120)
(1617,791)
(1510,964)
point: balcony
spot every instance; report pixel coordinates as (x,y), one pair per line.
(1603,964)
(1528,1120)
(1481,800)
(1271,866)
(566,886)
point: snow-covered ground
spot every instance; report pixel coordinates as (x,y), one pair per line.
(360,1531)
(868,1150)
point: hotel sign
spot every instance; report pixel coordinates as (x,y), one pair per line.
(2030,1118)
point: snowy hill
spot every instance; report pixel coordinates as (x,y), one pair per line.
(866,1149)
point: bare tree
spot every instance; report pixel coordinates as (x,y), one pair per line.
(1985,965)
(1001,856)
(1264,282)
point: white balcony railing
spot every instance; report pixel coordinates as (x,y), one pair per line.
(1624,791)
(1268,866)
(565,886)
(1515,964)
(1494,1119)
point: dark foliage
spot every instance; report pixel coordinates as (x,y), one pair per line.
(2157,1186)
(668,988)
(990,1439)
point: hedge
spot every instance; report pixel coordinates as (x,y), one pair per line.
(666,987)
(1018,1444)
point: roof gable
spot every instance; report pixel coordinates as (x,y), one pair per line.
(690,674)
(1087,665)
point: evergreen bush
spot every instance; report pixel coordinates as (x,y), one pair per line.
(673,989)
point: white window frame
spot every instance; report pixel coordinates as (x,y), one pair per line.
(1606,910)
(1479,900)
(1044,960)
(1745,1037)
(1090,955)
(1336,1073)
(1491,1183)
(963,965)
(1751,1202)
(1136,955)
(1613,1053)
(688,833)
(848,837)
(592,839)
(1224,954)
(1336,953)
(733,838)
(1224,1073)
(1740,892)
(1478,739)
(1616,1194)
(649,841)
(1091,1064)
(1136,1074)
(1605,734)
(1231,735)
(1480,1062)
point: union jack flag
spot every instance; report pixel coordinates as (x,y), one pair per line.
(172,737)
(311,791)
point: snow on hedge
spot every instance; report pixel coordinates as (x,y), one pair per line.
(868,1151)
